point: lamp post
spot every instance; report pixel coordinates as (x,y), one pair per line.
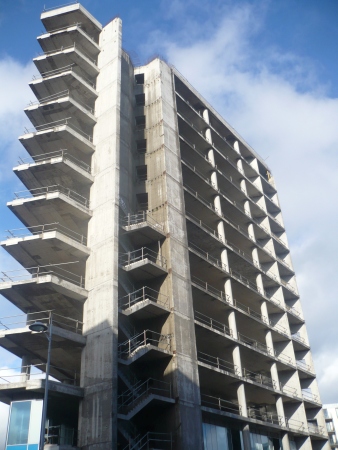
(40,327)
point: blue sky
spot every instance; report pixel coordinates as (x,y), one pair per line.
(270,69)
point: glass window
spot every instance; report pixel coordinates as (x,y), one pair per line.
(215,437)
(19,423)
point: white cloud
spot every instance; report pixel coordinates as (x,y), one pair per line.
(277,103)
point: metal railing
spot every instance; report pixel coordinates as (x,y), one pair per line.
(75,24)
(255,344)
(289,390)
(68,47)
(57,188)
(59,6)
(294,424)
(141,254)
(141,217)
(265,416)
(130,399)
(212,323)
(37,272)
(297,337)
(68,68)
(62,153)
(301,364)
(145,338)
(219,363)
(25,373)
(315,429)
(292,310)
(24,320)
(62,94)
(220,404)
(45,228)
(259,378)
(152,440)
(142,294)
(310,396)
(60,123)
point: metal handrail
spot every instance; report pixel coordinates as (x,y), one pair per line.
(61,94)
(142,294)
(26,374)
(140,255)
(75,24)
(36,192)
(265,416)
(45,228)
(68,68)
(316,429)
(24,320)
(259,378)
(59,123)
(74,46)
(294,424)
(210,401)
(302,365)
(36,272)
(62,153)
(310,396)
(212,323)
(60,6)
(151,440)
(129,399)
(255,344)
(147,337)
(299,338)
(219,363)
(141,217)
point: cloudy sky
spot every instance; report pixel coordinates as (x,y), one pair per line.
(270,69)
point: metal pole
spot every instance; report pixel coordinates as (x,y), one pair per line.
(45,399)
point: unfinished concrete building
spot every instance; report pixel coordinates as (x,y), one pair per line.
(155,251)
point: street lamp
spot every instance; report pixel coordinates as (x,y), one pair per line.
(40,327)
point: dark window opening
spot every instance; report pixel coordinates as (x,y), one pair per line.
(141,172)
(142,200)
(140,122)
(139,78)
(141,145)
(140,99)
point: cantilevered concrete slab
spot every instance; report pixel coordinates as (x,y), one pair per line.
(65,352)
(145,309)
(68,15)
(144,269)
(60,291)
(62,79)
(22,390)
(51,207)
(66,37)
(51,110)
(55,136)
(65,57)
(144,233)
(57,168)
(52,247)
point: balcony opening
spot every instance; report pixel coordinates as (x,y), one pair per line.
(141,145)
(139,78)
(142,201)
(140,122)
(140,99)
(141,172)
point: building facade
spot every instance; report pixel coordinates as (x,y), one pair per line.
(331,420)
(155,251)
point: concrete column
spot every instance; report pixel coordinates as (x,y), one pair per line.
(274,375)
(243,184)
(217,204)
(280,412)
(242,399)
(213,179)
(236,147)
(211,157)
(205,115)
(247,209)
(246,437)
(264,311)
(259,281)
(269,341)
(251,231)
(233,327)
(255,256)
(26,371)
(208,136)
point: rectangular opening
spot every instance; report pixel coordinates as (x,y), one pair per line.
(140,100)
(141,172)
(139,78)
(140,122)
(141,145)
(142,201)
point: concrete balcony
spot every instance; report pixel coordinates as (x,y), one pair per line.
(67,77)
(143,264)
(148,345)
(67,36)
(38,206)
(54,136)
(47,244)
(58,107)
(144,303)
(45,287)
(142,228)
(40,170)
(67,15)
(64,57)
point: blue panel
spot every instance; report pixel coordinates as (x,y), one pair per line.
(16,447)
(33,446)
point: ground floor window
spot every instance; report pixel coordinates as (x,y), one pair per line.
(262,442)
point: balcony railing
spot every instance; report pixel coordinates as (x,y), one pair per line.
(62,94)
(218,363)
(45,228)
(255,344)
(163,441)
(259,378)
(74,47)
(83,201)
(142,254)
(68,68)
(310,397)
(62,153)
(60,123)
(37,372)
(24,320)
(265,416)
(130,347)
(297,337)
(142,294)
(37,272)
(141,217)
(131,398)
(220,404)
(212,323)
